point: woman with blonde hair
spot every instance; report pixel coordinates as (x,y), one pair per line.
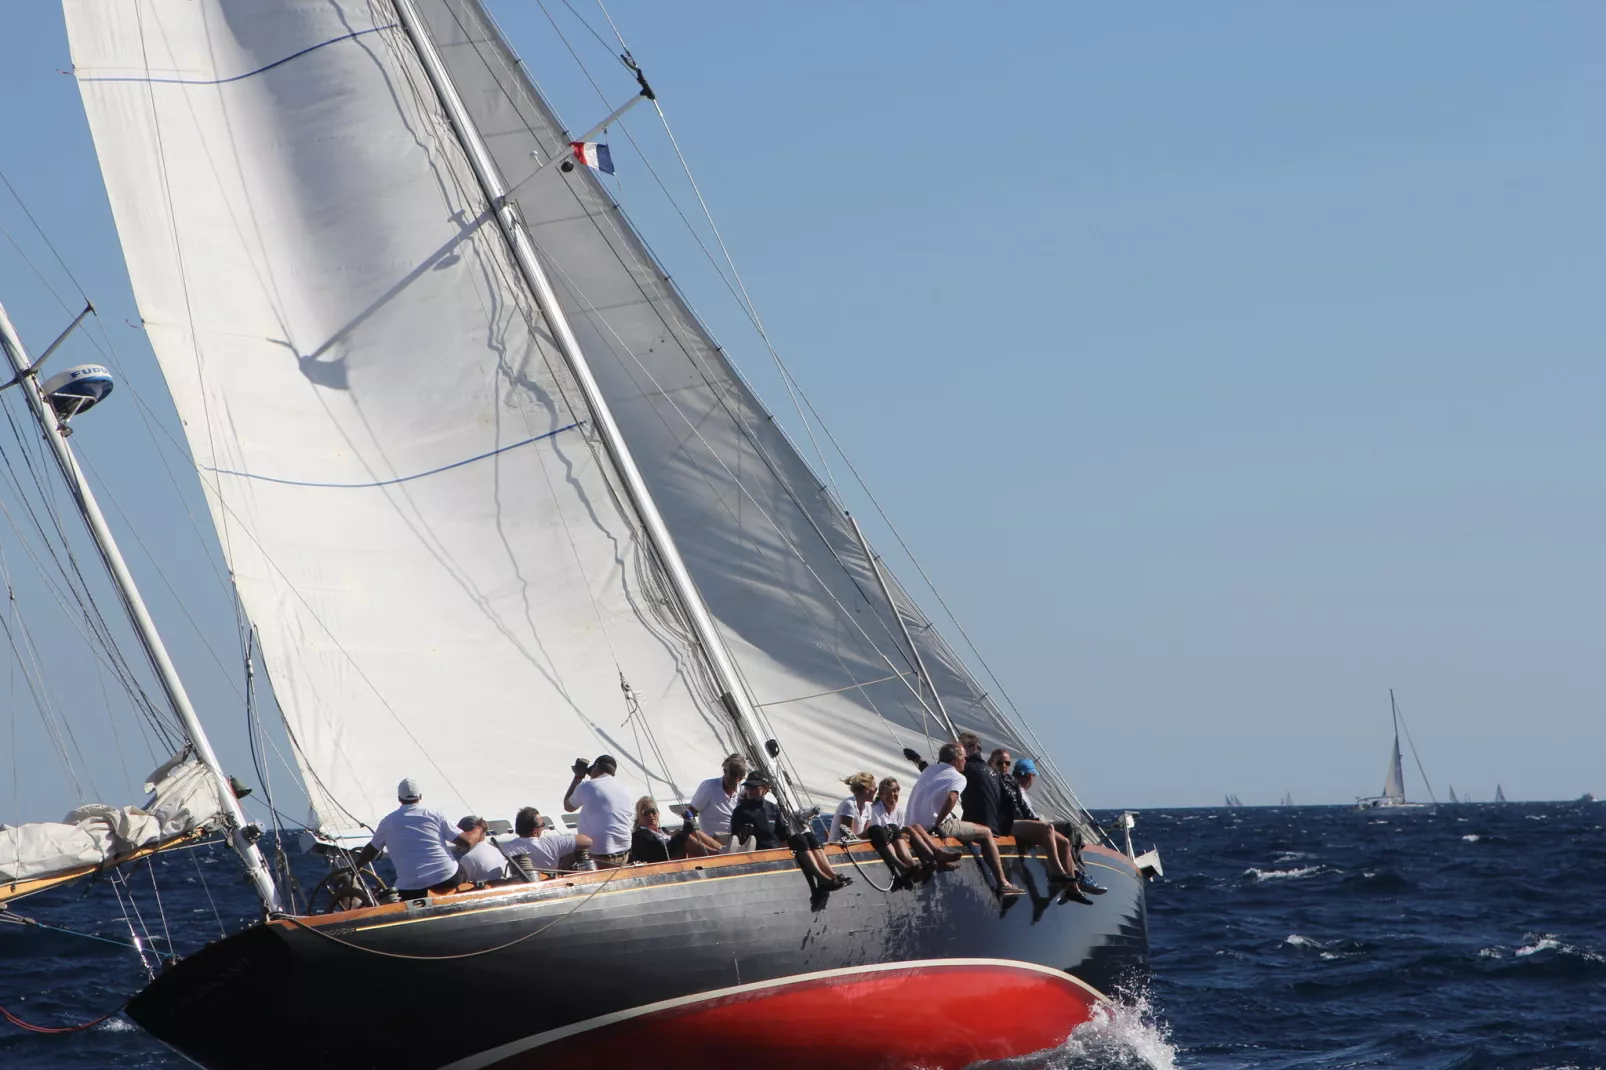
(650,843)
(853,813)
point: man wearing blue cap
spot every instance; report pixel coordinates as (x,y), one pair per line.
(420,841)
(1025,775)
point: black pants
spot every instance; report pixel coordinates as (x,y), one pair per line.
(439,889)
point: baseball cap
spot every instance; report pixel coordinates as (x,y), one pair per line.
(409,790)
(472,821)
(1025,767)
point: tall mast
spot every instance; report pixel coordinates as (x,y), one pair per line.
(734,695)
(55,433)
(903,626)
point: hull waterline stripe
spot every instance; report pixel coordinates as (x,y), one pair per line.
(494,1055)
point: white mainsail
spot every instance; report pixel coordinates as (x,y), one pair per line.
(1394,782)
(401,473)
(446,580)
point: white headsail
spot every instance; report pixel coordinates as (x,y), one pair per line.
(445,576)
(1394,782)
(772,552)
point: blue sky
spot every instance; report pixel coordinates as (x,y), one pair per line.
(1225,365)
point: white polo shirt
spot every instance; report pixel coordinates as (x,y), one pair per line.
(930,793)
(607,814)
(714,807)
(484,862)
(544,850)
(850,817)
(417,839)
(879,815)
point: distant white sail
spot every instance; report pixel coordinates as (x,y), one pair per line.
(1499,794)
(399,466)
(1452,794)
(1394,783)
(184,798)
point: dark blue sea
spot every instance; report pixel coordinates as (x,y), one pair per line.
(1473,937)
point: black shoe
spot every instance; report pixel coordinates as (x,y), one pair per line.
(1089,887)
(1070,895)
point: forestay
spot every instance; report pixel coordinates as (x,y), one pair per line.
(402,475)
(772,552)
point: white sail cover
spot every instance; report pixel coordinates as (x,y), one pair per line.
(401,471)
(1394,783)
(400,468)
(184,797)
(772,552)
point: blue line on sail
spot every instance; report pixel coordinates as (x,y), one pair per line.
(248,74)
(398,479)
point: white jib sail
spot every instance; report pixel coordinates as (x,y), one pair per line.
(399,467)
(771,551)
(1394,783)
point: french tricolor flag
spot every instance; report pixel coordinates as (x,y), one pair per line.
(594,154)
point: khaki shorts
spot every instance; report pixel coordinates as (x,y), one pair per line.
(963,831)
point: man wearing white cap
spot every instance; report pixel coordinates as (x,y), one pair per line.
(420,842)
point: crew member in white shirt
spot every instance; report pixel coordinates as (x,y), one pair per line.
(932,805)
(852,815)
(545,850)
(484,862)
(420,842)
(888,822)
(715,798)
(607,810)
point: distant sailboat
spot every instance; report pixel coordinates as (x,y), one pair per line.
(1288,798)
(1452,794)
(1394,782)
(1499,794)
(1233,802)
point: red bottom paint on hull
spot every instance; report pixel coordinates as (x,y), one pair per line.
(937,1015)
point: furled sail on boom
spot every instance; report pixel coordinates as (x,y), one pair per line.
(446,577)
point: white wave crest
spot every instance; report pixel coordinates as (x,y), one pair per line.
(116,1025)
(1281,874)
(1472,837)
(1297,940)
(1122,1035)
(1491,953)
(1551,942)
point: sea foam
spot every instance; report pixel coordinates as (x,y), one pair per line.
(1281,874)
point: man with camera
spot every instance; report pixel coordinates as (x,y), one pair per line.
(607,810)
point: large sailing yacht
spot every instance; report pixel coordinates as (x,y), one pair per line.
(488,491)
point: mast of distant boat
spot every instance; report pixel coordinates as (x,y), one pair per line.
(242,833)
